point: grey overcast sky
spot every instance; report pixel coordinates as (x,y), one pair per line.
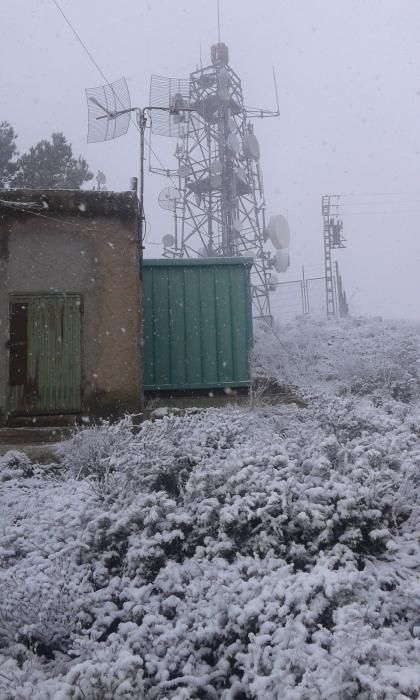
(349,86)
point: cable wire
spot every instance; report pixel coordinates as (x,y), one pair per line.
(98,68)
(26,210)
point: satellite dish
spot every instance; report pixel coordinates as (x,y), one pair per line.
(184,171)
(168,240)
(251,147)
(176,103)
(281,260)
(216,167)
(168,198)
(278,231)
(233,143)
(108,111)
(169,98)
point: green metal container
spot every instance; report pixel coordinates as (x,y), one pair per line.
(197,323)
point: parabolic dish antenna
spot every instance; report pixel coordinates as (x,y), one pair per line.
(233,143)
(168,198)
(278,231)
(281,260)
(168,240)
(108,111)
(251,147)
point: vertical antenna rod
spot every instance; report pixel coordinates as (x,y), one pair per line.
(218,20)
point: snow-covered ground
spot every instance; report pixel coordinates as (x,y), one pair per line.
(267,552)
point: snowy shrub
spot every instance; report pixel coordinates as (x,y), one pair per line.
(87,454)
(14,464)
(240,553)
(362,357)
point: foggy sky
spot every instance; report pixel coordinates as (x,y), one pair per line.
(349,87)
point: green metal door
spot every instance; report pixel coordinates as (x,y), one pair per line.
(45,354)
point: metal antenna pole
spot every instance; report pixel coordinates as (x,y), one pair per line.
(329,282)
(142,123)
(218,20)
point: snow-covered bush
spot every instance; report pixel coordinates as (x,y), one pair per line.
(358,356)
(240,553)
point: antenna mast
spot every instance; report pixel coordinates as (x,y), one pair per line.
(333,239)
(221,203)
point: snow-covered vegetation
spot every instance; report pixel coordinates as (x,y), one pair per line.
(267,551)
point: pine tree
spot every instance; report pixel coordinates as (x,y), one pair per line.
(51,164)
(8,151)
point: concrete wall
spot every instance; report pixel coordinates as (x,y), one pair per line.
(59,254)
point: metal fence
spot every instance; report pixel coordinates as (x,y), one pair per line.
(306,297)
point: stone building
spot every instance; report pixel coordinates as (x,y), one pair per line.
(70,304)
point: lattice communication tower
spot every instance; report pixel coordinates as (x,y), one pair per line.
(217,195)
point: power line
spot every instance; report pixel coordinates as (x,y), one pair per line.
(76,34)
(80,40)
(376,194)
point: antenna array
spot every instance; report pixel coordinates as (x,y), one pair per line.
(220,210)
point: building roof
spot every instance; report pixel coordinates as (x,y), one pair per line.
(80,203)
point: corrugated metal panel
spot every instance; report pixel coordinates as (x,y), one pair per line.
(197,323)
(53,355)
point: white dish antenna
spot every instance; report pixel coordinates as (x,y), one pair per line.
(168,241)
(168,198)
(108,111)
(233,143)
(251,147)
(278,231)
(281,260)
